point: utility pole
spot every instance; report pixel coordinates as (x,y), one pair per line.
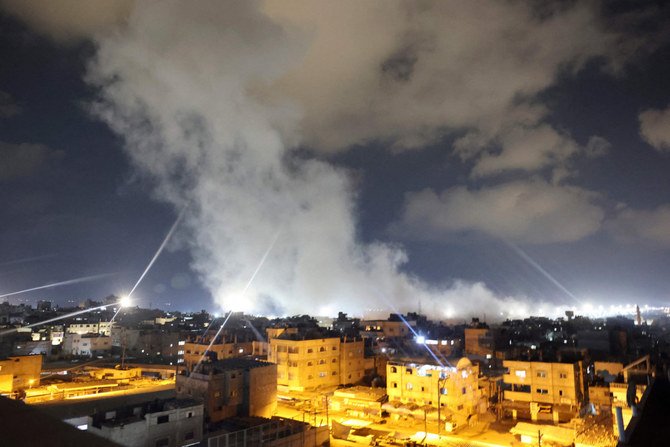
(539,438)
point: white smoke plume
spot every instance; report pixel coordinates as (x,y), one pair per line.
(213,97)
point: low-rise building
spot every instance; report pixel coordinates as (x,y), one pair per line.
(20,372)
(543,390)
(102,327)
(169,423)
(316,360)
(449,393)
(231,387)
(86,344)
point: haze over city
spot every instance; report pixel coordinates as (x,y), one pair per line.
(497,158)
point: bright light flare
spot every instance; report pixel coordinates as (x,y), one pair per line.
(125,301)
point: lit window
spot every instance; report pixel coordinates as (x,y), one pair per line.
(410,386)
(520,373)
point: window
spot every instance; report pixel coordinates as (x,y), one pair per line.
(542,391)
(520,373)
(334,373)
(463,390)
(309,363)
(408,371)
(322,361)
(322,349)
(394,385)
(281,348)
(334,361)
(323,374)
(394,369)
(560,392)
(423,389)
(163,419)
(410,386)
(542,374)
(310,350)
(563,375)
(460,407)
(334,348)
(294,350)
(189,415)
(310,377)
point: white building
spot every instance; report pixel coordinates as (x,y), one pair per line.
(168,423)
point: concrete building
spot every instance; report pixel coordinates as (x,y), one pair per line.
(316,360)
(232,387)
(86,344)
(394,327)
(479,341)
(168,423)
(194,350)
(542,390)
(275,432)
(451,391)
(20,372)
(103,328)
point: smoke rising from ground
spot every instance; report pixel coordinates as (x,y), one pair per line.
(212,98)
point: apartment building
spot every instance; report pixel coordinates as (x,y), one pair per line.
(86,344)
(454,390)
(193,351)
(169,423)
(479,341)
(103,328)
(543,390)
(231,387)
(20,372)
(316,360)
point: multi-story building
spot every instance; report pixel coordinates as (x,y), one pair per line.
(542,390)
(86,344)
(479,341)
(394,327)
(170,423)
(316,360)
(20,372)
(451,390)
(231,387)
(103,328)
(194,351)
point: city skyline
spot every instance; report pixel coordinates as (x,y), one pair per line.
(376,156)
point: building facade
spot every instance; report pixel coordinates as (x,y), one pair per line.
(171,423)
(454,390)
(231,387)
(310,362)
(542,390)
(20,372)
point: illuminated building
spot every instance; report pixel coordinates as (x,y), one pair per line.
(479,341)
(451,391)
(394,327)
(86,344)
(542,390)
(193,351)
(316,359)
(20,372)
(174,422)
(232,387)
(103,327)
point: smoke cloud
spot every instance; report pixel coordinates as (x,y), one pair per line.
(212,99)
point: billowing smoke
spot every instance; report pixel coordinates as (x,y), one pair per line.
(213,99)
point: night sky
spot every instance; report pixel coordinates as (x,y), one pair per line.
(468,158)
